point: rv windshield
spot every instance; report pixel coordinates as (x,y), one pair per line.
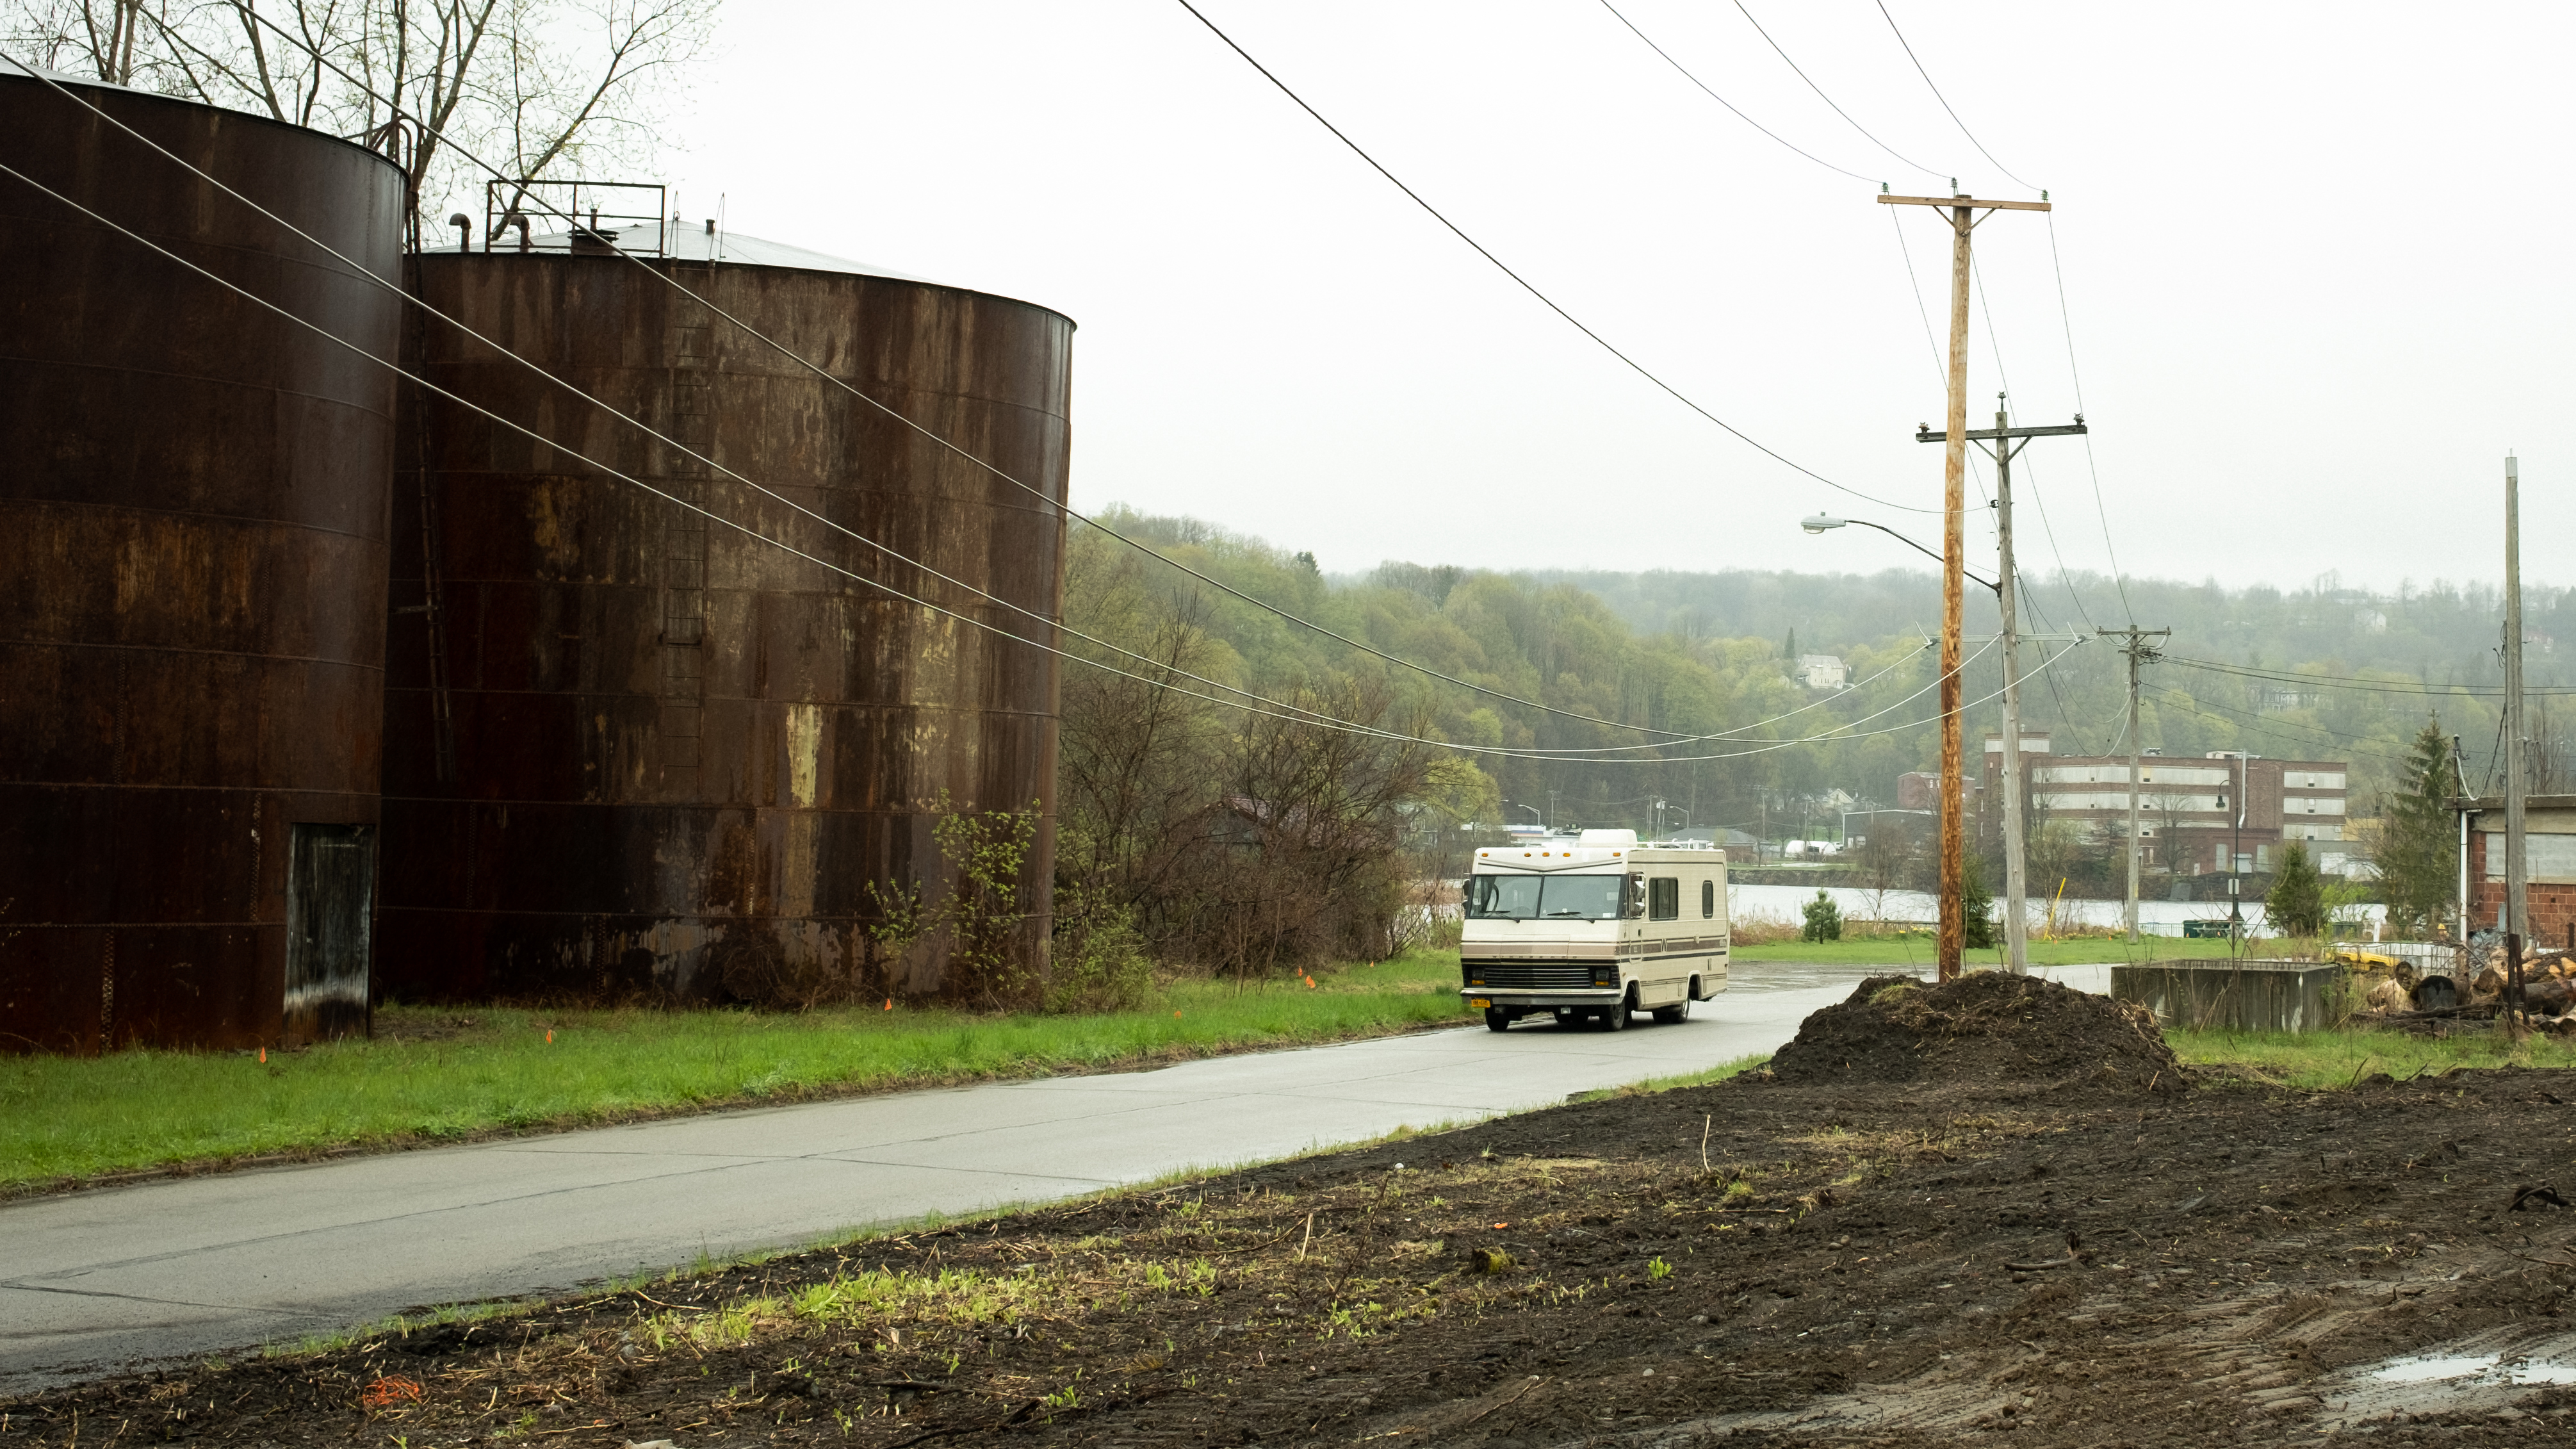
(1554,897)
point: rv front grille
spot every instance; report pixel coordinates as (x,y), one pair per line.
(1531,975)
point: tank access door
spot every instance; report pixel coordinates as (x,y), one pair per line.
(330,917)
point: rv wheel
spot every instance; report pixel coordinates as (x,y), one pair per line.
(1678,1011)
(1497,1019)
(1616,1018)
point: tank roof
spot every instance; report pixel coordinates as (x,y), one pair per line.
(688,243)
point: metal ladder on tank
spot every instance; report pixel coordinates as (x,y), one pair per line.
(684,532)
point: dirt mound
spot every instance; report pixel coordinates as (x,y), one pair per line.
(1989,1029)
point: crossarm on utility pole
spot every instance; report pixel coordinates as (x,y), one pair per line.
(1924,434)
(1972,203)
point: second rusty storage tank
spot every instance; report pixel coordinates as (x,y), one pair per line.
(192,572)
(631,748)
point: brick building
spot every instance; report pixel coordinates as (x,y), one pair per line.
(2188,805)
(2549,864)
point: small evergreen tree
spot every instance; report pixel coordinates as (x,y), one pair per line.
(1824,920)
(2296,904)
(2418,849)
(1976,904)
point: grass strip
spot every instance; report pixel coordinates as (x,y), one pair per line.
(438,1075)
(1701,1078)
(2330,1060)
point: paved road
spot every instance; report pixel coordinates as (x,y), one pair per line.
(97,1281)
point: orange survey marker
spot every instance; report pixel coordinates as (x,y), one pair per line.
(386,1392)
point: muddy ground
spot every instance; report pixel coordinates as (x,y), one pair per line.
(2020,1230)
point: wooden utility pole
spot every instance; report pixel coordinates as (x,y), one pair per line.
(2139,652)
(2001,443)
(1954,514)
(2517,899)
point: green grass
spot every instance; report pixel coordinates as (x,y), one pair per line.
(2322,1060)
(1916,949)
(1700,1078)
(439,1074)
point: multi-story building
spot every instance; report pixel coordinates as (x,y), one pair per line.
(2202,815)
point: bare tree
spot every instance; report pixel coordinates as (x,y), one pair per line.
(1316,816)
(1133,775)
(1889,859)
(80,37)
(534,88)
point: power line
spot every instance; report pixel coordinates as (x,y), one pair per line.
(1940,369)
(1914,284)
(2354,682)
(1994,339)
(2066,320)
(1936,95)
(462,401)
(363,273)
(1829,100)
(2362,744)
(1309,718)
(1523,282)
(1723,101)
(1041,494)
(1152,663)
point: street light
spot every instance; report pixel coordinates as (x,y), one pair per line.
(1539,819)
(1822,521)
(1953,769)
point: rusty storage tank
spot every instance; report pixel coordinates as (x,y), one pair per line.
(632,749)
(192,576)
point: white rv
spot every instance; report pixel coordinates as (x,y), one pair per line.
(1594,926)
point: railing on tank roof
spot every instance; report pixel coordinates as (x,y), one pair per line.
(606,219)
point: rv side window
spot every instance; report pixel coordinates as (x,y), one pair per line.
(1707,900)
(1664,898)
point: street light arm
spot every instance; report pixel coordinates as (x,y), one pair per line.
(1987,584)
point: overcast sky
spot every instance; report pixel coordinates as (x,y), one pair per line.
(2311,256)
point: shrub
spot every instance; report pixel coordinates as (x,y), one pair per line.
(1824,920)
(1976,905)
(1100,962)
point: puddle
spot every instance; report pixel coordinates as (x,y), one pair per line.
(2435,1368)
(2473,1375)
(2430,1367)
